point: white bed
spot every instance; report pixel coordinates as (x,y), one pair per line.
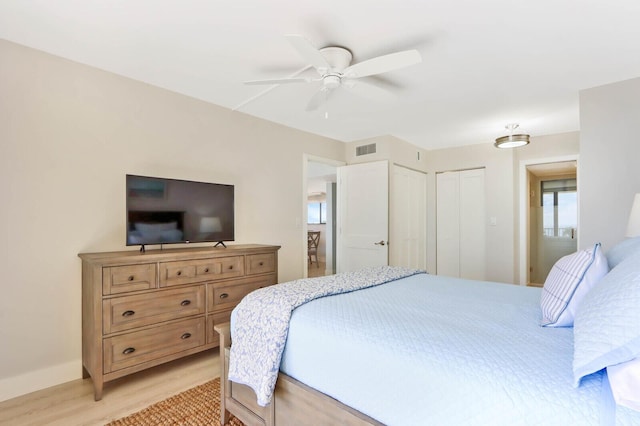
(426,349)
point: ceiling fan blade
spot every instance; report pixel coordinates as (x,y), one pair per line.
(280,81)
(320,97)
(382,64)
(309,53)
(369,91)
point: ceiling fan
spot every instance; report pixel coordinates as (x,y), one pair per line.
(333,65)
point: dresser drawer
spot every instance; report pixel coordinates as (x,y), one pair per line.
(261,263)
(176,273)
(213,320)
(126,312)
(227,295)
(128,350)
(122,279)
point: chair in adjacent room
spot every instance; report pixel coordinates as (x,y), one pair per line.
(313,239)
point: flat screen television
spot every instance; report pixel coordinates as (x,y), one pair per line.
(168,211)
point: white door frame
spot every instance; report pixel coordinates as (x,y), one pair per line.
(305,161)
(524,209)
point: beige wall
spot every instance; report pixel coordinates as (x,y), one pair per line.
(609,168)
(69,134)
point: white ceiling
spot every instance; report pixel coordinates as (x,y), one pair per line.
(485,63)
(554,169)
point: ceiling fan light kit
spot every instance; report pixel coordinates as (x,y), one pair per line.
(511,140)
(333,65)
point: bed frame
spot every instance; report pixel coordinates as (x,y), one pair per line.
(293,401)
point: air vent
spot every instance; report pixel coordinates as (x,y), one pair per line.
(365,149)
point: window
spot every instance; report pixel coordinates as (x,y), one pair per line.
(559,208)
(317,213)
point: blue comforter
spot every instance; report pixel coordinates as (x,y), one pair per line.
(431,350)
(262,325)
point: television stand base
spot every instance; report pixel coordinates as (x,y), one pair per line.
(220,243)
(142,249)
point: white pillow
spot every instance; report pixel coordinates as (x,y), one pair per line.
(607,325)
(622,250)
(568,282)
(625,383)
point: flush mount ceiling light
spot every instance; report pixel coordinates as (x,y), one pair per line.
(512,141)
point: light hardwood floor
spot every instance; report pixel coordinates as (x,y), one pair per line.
(316,269)
(72,403)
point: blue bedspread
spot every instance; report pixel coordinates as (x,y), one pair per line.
(260,332)
(431,350)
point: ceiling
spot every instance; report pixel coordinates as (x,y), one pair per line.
(554,169)
(485,64)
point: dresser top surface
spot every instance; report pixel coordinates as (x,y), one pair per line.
(135,256)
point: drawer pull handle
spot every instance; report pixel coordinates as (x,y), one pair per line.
(131,278)
(185,336)
(128,351)
(179,273)
(261,263)
(206,270)
(128,313)
(185,302)
(231,267)
(224,296)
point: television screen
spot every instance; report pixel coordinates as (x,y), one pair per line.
(164,211)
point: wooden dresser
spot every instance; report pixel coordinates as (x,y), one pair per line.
(144,309)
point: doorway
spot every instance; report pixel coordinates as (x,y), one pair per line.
(550,217)
(319,215)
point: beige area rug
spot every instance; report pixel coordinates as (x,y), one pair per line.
(199,406)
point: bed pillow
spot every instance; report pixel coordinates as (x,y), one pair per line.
(607,324)
(569,280)
(622,250)
(625,383)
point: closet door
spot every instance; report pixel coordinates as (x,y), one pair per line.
(448,224)
(461,230)
(408,218)
(472,225)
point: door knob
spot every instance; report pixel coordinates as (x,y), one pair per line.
(380,243)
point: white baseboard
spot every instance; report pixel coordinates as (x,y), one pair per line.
(32,381)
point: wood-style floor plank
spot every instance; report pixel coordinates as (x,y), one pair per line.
(72,403)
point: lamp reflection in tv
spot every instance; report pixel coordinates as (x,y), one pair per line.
(209,226)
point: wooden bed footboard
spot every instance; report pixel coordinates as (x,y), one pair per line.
(293,401)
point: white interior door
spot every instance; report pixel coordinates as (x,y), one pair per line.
(472,225)
(448,224)
(408,218)
(363,216)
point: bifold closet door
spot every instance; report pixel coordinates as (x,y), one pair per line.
(461,224)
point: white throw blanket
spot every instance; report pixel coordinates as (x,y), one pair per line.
(261,322)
